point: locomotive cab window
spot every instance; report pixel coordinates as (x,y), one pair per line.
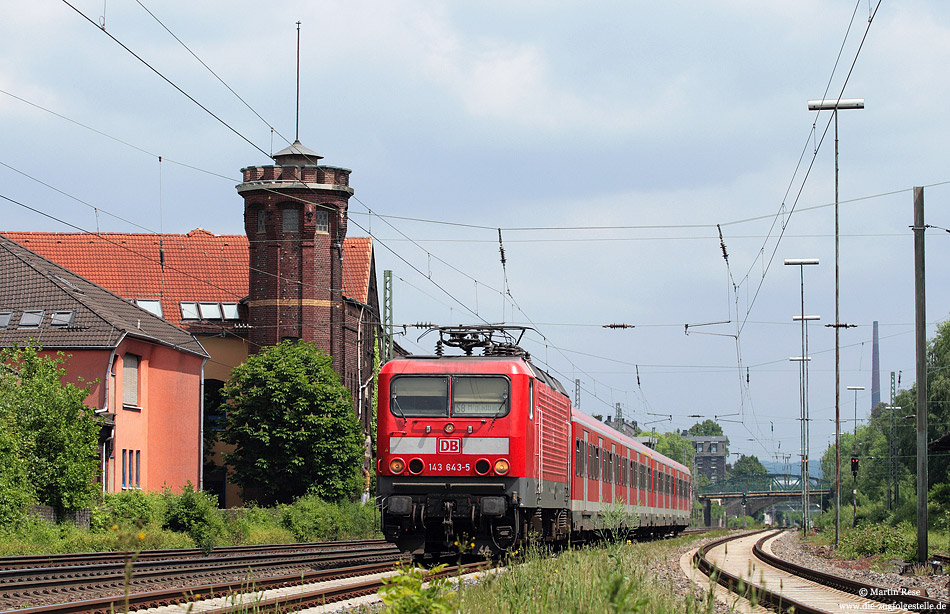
(485,397)
(429,396)
(420,397)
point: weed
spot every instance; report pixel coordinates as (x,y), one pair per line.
(407,592)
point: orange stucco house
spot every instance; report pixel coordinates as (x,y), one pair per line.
(144,374)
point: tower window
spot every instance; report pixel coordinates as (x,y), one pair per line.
(260,220)
(291,219)
(322,220)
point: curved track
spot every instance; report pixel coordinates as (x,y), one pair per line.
(745,565)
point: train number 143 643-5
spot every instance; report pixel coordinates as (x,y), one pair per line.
(458,467)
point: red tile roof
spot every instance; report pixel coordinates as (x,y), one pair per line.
(90,316)
(198,266)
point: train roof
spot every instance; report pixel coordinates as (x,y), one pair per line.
(598,426)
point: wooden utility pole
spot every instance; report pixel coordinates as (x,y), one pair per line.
(921,330)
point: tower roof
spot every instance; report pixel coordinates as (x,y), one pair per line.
(296,154)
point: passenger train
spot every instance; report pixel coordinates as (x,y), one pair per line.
(487,448)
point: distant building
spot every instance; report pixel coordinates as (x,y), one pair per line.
(711,454)
(294,274)
(144,373)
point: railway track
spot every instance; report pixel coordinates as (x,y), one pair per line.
(745,566)
(279,593)
(31,585)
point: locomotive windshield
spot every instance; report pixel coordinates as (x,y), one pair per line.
(479,397)
(420,396)
(427,396)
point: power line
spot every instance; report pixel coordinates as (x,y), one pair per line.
(166,79)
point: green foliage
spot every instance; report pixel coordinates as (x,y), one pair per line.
(312,519)
(404,593)
(675,446)
(706,428)
(288,415)
(47,430)
(194,513)
(748,467)
(129,508)
(871,539)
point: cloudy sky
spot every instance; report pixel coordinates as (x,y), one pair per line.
(607,140)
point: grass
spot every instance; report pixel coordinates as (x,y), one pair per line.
(609,578)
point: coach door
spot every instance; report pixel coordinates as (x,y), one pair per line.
(585,479)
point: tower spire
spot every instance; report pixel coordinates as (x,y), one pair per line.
(297,128)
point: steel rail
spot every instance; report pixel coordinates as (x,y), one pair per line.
(86,558)
(163,597)
(745,589)
(897,597)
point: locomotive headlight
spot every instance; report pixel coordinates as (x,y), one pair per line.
(501,466)
(397,465)
(449,428)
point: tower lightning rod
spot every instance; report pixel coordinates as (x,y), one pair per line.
(297,127)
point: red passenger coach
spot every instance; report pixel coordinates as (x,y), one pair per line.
(486,448)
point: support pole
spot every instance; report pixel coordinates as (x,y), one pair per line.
(921,330)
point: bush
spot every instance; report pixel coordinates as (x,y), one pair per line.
(194,513)
(256,525)
(875,538)
(312,519)
(129,508)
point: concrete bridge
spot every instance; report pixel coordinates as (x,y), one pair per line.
(746,496)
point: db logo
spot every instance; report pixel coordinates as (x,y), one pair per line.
(450,446)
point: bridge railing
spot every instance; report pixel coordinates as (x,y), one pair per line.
(766,483)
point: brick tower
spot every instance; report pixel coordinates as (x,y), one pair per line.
(295,220)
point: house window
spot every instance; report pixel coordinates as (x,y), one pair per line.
(322,220)
(5,317)
(31,318)
(124,467)
(230,311)
(712,447)
(150,305)
(699,448)
(138,468)
(130,380)
(189,311)
(209,311)
(61,318)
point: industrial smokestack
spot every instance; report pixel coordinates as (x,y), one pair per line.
(875,370)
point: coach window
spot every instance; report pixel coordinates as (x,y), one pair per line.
(590,460)
(579,458)
(485,397)
(420,396)
(596,462)
(605,475)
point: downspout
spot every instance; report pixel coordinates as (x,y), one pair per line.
(359,364)
(201,426)
(105,409)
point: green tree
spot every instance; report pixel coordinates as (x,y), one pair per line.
(56,434)
(293,427)
(674,446)
(748,467)
(706,428)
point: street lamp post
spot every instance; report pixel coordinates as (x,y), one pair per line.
(834,105)
(803,374)
(854,458)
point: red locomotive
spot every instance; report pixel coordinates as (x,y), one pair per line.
(488,447)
